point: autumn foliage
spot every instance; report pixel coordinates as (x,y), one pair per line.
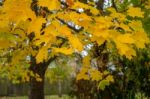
(45,29)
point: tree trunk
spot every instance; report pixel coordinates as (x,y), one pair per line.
(59,88)
(36,88)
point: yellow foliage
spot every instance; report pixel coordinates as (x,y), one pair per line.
(104,33)
(75,43)
(63,50)
(125,49)
(36,25)
(64,31)
(135,12)
(19,56)
(139,35)
(42,55)
(99,40)
(124,26)
(5,44)
(105,82)
(17,11)
(141,39)
(47,39)
(96,75)
(83,74)
(110,78)
(3,22)
(136,25)
(124,43)
(125,38)
(50,4)
(18,18)
(53,29)
(25,77)
(78,5)
(86,61)
(120,16)
(80,19)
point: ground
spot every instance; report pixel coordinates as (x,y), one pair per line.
(47,97)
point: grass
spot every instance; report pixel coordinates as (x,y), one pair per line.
(46,97)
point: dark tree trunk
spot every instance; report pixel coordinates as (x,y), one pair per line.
(37,87)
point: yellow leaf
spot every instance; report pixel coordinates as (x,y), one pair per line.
(125,38)
(135,12)
(39,79)
(50,4)
(64,30)
(103,22)
(124,49)
(104,33)
(99,40)
(18,10)
(83,74)
(5,44)
(94,11)
(78,5)
(52,29)
(110,78)
(3,22)
(86,61)
(63,50)
(124,26)
(123,43)
(141,39)
(120,16)
(47,39)
(96,75)
(42,55)
(80,19)
(75,43)
(36,25)
(18,57)
(136,25)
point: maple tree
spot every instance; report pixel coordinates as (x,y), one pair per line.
(34,32)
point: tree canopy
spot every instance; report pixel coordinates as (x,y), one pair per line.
(39,30)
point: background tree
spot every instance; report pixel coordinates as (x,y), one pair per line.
(59,71)
(119,67)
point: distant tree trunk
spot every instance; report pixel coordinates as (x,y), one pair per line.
(100,4)
(59,88)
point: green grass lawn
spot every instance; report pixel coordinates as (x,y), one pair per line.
(47,97)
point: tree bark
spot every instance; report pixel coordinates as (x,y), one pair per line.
(59,88)
(37,87)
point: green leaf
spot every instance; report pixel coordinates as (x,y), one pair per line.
(103,84)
